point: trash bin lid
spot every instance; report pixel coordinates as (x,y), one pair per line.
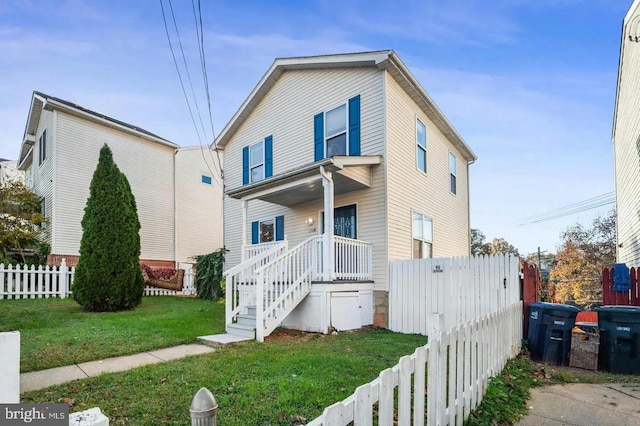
(619,309)
(553,306)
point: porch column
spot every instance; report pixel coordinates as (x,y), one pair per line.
(244,230)
(328,251)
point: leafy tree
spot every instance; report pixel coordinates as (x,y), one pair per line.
(21,220)
(108,276)
(582,255)
(209,279)
(498,246)
(477,241)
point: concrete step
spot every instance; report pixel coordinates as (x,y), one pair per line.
(220,340)
(246,320)
(241,330)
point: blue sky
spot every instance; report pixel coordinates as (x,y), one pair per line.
(530,85)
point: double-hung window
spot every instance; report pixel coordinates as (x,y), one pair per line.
(256,161)
(336,131)
(267,230)
(452,173)
(421,146)
(42,147)
(422,236)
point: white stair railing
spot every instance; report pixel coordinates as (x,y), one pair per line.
(353,259)
(282,284)
(240,285)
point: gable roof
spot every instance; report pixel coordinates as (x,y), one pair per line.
(40,101)
(382,59)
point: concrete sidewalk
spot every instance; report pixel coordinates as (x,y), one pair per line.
(55,376)
(580,404)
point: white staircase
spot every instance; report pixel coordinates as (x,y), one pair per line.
(245,325)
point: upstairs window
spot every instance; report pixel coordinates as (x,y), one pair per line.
(452,173)
(421,146)
(206,179)
(42,147)
(422,236)
(336,131)
(257,161)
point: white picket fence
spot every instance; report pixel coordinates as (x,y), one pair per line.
(427,295)
(31,282)
(441,382)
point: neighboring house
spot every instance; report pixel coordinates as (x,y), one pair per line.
(351,143)
(178,197)
(9,171)
(626,140)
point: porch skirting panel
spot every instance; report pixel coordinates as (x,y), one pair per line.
(334,306)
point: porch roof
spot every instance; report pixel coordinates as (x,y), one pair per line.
(304,183)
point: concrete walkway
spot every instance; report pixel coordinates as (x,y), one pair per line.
(55,376)
(612,404)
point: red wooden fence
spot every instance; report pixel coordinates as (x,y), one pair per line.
(610,297)
(530,290)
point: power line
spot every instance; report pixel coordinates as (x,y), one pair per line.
(581,206)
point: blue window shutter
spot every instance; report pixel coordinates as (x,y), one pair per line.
(354,125)
(255,229)
(279,228)
(318,136)
(245,165)
(268,156)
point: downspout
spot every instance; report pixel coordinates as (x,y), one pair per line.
(328,250)
(469,205)
(175,210)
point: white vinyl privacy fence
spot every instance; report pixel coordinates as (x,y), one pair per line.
(31,282)
(441,382)
(427,295)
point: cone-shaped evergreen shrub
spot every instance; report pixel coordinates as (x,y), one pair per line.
(108,276)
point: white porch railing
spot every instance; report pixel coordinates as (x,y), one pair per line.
(282,284)
(240,280)
(353,259)
(251,250)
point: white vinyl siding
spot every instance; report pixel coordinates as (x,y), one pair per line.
(627,147)
(198,205)
(41,177)
(287,112)
(427,194)
(147,165)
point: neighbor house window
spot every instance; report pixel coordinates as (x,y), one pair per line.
(256,161)
(452,173)
(42,147)
(336,131)
(421,146)
(206,179)
(422,236)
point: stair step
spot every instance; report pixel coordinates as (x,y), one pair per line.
(251,310)
(246,320)
(242,330)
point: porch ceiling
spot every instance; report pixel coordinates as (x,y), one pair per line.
(304,184)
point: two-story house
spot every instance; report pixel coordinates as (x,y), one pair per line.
(626,141)
(177,192)
(336,165)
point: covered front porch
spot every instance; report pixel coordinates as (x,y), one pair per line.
(283,274)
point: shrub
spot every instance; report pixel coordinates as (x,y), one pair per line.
(108,276)
(209,280)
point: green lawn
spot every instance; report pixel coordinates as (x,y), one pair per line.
(291,374)
(57,332)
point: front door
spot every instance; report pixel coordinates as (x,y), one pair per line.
(344,222)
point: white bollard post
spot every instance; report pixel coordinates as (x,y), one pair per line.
(62,278)
(10,367)
(203,409)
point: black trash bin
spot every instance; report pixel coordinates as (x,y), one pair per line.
(549,336)
(619,339)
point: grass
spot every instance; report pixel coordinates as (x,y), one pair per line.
(291,377)
(56,332)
